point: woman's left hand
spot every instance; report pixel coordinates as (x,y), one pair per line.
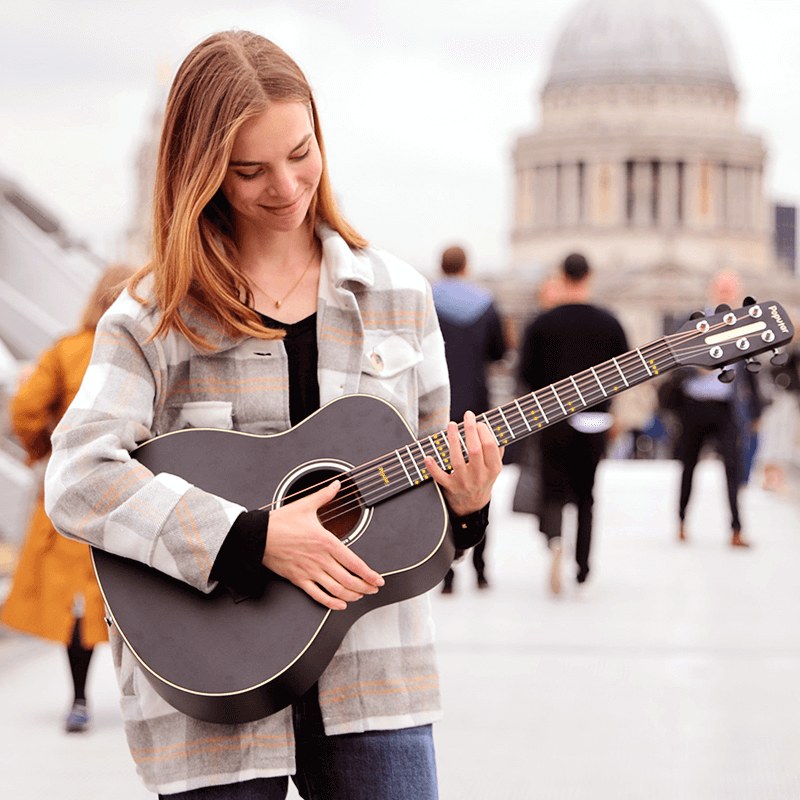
(468,487)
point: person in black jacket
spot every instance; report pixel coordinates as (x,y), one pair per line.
(473,337)
(569,338)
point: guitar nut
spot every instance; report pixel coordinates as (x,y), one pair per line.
(768,337)
(754,311)
(715,352)
(743,344)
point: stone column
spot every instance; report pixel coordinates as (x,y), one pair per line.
(569,195)
(642,193)
(668,195)
(525,187)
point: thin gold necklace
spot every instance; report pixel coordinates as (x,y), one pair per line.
(279,303)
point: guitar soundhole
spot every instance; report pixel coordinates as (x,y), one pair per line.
(345,516)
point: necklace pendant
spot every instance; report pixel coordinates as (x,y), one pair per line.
(277,304)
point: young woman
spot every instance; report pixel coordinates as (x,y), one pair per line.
(54,594)
(260,304)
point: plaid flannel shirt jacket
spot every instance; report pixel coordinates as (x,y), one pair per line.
(384,674)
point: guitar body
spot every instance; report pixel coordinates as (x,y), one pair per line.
(220,660)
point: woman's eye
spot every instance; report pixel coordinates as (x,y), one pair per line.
(248,175)
(301,156)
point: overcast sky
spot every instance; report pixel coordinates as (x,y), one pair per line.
(421,101)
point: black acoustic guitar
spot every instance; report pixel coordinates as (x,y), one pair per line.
(225,661)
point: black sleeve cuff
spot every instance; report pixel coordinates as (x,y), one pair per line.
(470,529)
(239,564)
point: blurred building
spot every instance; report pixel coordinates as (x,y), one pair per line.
(786,236)
(45,275)
(45,278)
(641,164)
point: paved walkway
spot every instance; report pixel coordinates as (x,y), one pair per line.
(672,677)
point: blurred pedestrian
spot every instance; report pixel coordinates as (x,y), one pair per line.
(721,413)
(473,338)
(54,593)
(779,421)
(571,337)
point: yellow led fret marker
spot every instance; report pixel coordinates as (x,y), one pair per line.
(383,474)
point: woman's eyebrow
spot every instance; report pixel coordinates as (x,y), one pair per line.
(302,143)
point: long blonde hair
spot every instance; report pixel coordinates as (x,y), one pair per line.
(226,80)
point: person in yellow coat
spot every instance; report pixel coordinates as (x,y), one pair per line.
(54,594)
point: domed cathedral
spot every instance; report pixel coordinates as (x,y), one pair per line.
(641,165)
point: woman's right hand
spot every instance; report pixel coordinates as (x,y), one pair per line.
(301,550)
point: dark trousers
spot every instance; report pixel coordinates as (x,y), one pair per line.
(703,421)
(477,562)
(569,462)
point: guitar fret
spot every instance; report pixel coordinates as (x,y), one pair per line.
(491,427)
(578,390)
(541,410)
(524,419)
(624,379)
(463,444)
(564,410)
(644,362)
(414,462)
(436,452)
(424,472)
(510,430)
(599,383)
(400,459)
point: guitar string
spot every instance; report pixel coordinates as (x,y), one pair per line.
(366,492)
(513,422)
(587,377)
(363,489)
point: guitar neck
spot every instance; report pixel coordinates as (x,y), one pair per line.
(405,468)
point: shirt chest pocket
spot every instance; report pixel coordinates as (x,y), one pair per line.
(388,366)
(204,414)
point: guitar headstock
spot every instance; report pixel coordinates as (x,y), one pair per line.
(731,335)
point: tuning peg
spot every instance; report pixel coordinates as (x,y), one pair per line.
(749,301)
(779,359)
(753,365)
(726,375)
(722,308)
(697,315)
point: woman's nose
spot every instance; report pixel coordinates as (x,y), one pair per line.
(283,183)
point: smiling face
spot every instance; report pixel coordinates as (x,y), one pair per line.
(274,169)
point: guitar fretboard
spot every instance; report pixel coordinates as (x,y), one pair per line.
(405,467)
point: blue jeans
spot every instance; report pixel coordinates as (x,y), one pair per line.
(390,765)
